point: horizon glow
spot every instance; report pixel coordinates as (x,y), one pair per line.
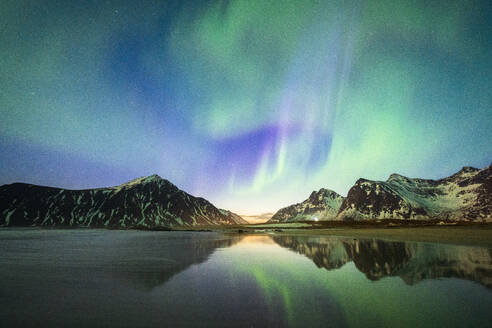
(249,104)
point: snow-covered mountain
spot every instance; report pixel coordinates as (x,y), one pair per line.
(321,205)
(148,203)
(466,194)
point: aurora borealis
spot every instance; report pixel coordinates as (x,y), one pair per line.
(250,104)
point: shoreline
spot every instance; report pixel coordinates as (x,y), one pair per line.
(478,235)
(463,236)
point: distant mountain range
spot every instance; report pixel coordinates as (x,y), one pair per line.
(466,195)
(145,203)
(237,219)
(155,203)
(259,218)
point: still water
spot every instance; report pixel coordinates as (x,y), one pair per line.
(105,278)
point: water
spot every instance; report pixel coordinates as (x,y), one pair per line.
(136,278)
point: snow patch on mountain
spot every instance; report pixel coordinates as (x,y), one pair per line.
(321,205)
(146,202)
(464,195)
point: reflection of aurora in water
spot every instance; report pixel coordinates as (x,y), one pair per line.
(411,261)
(288,279)
(82,278)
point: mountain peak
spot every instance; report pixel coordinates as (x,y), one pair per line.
(397,177)
(146,202)
(322,193)
(465,172)
(141,180)
(315,193)
(468,169)
(153,177)
(321,205)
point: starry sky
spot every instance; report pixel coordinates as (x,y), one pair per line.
(251,104)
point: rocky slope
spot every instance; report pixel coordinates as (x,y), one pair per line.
(234,217)
(466,194)
(147,203)
(321,205)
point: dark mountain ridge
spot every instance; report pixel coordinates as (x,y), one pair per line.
(146,203)
(321,205)
(465,195)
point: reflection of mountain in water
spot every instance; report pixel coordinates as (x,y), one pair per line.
(411,261)
(146,264)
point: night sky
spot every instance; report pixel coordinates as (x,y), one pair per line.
(250,104)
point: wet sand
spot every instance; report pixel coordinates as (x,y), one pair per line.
(465,234)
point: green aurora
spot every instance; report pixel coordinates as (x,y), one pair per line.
(251,104)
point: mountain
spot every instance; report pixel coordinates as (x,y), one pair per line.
(321,205)
(147,203)
(466,194)
(234,217)
(259,218)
